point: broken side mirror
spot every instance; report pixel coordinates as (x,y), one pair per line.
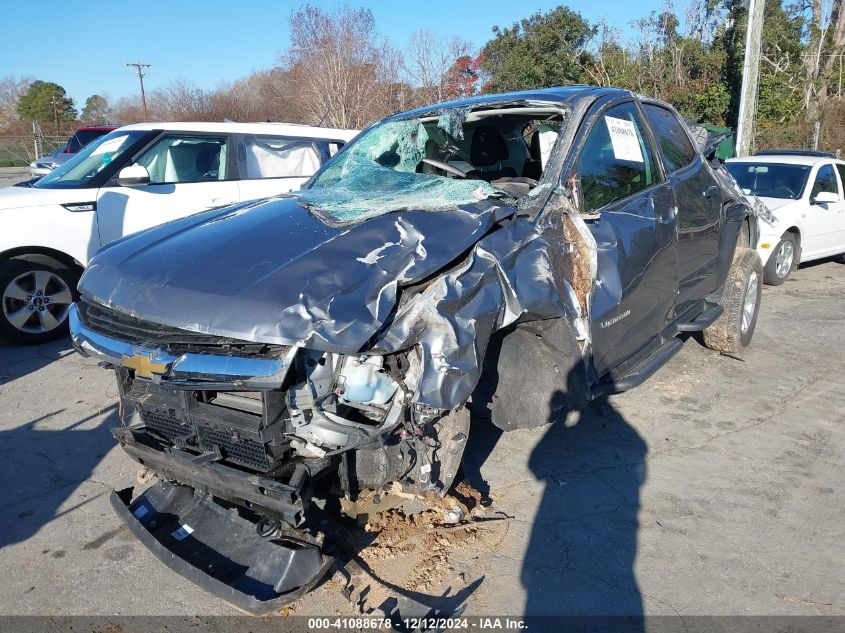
(133,176)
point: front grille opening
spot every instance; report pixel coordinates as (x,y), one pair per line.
(133,330)
(168,427)
(243,451)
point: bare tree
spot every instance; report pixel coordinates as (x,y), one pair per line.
(180,100)
(344,71)
(268,95)
(11,89)
(427,61)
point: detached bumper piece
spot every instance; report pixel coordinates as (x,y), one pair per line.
(218,549)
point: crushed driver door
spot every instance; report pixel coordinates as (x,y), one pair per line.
(632,213)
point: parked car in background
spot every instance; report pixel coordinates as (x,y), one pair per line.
(58,157)
(128,180)
(804,191)
(531,251)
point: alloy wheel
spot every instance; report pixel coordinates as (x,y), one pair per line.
(784,258)
(750,303)
(36,301)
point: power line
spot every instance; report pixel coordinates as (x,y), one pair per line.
(139,69)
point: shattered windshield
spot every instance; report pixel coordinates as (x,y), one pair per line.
(438,161)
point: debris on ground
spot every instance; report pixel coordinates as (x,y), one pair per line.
(423,551)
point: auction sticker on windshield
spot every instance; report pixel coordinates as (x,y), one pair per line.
(623,136)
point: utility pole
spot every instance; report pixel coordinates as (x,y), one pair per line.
(139,69)
(750,77)
(55,105)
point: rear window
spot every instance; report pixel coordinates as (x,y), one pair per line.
(83,137)
(671,136)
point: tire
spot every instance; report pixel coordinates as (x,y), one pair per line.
(34,301)
(783,261)
(741,304)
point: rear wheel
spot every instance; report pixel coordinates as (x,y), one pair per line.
(34,301)
(741,303)
(783,261)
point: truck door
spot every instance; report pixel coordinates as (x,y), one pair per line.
(699,206)
(631,212)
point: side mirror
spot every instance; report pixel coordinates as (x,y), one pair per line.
(133,176)
(825,197)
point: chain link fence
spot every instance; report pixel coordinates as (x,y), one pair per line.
(20,150)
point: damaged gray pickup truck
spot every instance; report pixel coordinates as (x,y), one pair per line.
(527,252)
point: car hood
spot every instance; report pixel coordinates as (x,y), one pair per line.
(773,204)
(23,197)
(271,271)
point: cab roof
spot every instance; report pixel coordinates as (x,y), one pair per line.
(551,96)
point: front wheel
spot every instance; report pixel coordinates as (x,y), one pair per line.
(783,261)
(741,304)
(35,301)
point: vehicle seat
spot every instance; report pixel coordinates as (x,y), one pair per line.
(192,162)
(208,163)
(534,165)
(487,152)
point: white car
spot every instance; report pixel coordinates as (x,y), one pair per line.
(131,179)
(804,191)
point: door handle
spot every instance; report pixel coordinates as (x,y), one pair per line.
(711,191)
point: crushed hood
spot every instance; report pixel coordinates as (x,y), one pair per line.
(272,272)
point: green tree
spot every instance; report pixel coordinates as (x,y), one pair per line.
(96,109)
(543,50)
(46,101)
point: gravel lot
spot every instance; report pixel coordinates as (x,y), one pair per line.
(713,489)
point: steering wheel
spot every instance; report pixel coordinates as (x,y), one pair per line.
(781,190)
(439,164)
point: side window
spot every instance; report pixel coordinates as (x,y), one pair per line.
(841,169)
(262,156)
(179,158)
(616,160)
(825,181)
(669,132)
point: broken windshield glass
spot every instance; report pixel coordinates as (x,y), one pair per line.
(379,173)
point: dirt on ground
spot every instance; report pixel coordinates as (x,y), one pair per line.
(421,551)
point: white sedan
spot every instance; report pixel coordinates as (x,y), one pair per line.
(804,191)
(134,178)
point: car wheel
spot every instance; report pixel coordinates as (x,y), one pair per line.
(34,301)
(783,261)
(741,303)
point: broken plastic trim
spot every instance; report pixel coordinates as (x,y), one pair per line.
(219,550)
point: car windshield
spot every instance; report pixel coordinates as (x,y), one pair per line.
(80,170)
(440,160)
(770,180)
(83,137)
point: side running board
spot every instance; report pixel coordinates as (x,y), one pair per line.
(709,316)
(640,372)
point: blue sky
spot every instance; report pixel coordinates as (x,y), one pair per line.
(84,45)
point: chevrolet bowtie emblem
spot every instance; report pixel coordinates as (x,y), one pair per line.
(143,365)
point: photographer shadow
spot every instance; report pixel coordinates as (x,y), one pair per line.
(580,558)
